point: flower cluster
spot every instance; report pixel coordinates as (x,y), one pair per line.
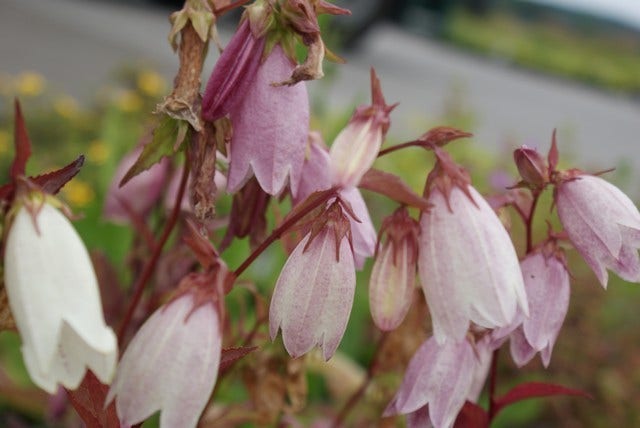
(447,255)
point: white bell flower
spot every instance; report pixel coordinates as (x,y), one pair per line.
(54,296)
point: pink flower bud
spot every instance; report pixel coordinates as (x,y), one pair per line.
(314,293)
(171,365)
(54,297)
(356,147)
(532,166)
(139,194)
(468,267)
(603,225)
(393,276)
(438,377)
(547,283)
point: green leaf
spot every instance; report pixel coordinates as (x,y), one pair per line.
(167,138)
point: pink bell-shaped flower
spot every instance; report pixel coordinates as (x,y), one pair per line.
(356,147)
(439,377)
(393,276)
(546,280)
(270,128)
(468,267)
(171,365)
(363,233)
(139,194)
(314,293)
(602,223)
(55,301)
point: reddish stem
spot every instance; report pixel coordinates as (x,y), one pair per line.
(148,269)
(529,221)
(280,230)
(392,149)
(493,380)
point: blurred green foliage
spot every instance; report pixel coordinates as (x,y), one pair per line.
(600,61)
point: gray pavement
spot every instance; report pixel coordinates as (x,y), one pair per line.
(77,44)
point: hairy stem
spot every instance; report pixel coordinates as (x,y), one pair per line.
(493,380)
(529,221)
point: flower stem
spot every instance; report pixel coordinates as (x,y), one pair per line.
(529,220)
(400,146)
(285,226)
(493,380)
(148,269)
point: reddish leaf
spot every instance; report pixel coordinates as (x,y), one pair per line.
(52,182)
(472,416)
(231,355)
(88,400)
(552,157)
(22,143)
(392,186)
(200,245)
(535,390)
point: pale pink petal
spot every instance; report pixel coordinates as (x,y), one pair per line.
(521,350)
(313,296)
(234,71)
(419,418)
(171,365)
(547,283)
(364,234)
(603,225)
(315,170)
(468,266)
(270,128)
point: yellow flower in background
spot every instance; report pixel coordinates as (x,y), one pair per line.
(151,83)
(129,101)
(66,106)
(5,141)
(98,152)
(78,193)
(30,84)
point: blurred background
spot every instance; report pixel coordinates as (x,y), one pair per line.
(90,72)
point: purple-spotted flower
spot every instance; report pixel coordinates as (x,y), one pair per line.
(356,147)
(314,293)
(437,383)
(602,223)
(171,365)
(393,276)
(468,267)
(138,195)
(54,298)
(546,280)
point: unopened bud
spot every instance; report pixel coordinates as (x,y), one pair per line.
(532,166)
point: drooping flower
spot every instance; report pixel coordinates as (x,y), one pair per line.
(468,267)
(139,194)
(270,128)
(171,365)
(546,281)
(393,276)
(314,293)
(439,377)
(315,176)
(54,297)
(356,147)
(602,223)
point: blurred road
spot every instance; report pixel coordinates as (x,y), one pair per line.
(76,45)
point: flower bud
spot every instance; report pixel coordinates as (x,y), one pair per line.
(54,296)
(392,281)
(532,166)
